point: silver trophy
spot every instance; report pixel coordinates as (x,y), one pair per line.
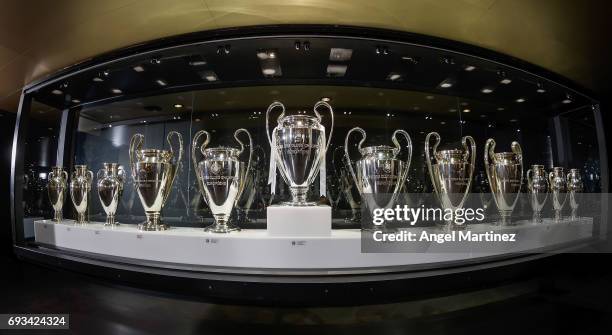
(537,184)
(56,188)
(154,172)
(451,174)
(558,188)
(110,188)
(80,187)
(574,187)
(298,148)
(505,174)
(221,177)
(379,174)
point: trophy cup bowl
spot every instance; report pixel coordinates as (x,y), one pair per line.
(537,184)
(153,173)
(505,174)
(451,174)
(298,149)
(574,187)
(221,178)
(558,188)
(56,189)
(110,188)
(80,185)
(379,174)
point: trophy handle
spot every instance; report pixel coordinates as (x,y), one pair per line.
(470,146)
(428,158)
(135,144)
(194,146)
(98,173)
(121,176)
(530,179)
(65,174)
(270,108)
(518,151)
(331,113)
(489,151)
(348,157)
(180,142)
(397,150)
(248,168)
(90,178)
(550,179)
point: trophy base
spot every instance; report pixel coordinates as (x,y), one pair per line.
(299,204)
(220,229)
(57,217)
(299,221)
(110,221)
(153,223)
(81,219)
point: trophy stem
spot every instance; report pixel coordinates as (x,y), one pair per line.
(81,218)
(558,216)
(537,217)
(298,197)
(110,220)
(153,222)
(57,216)
(221,225)
(505,217)
(574,215)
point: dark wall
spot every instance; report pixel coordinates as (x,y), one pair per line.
(7,124)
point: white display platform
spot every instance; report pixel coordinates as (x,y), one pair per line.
(255,249)
(299,221)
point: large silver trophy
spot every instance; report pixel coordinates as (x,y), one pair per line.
(574,187)
(537,184)
(110,187)
(298,146)
(80,187)
(56,188)
(379,174)
(153,172)
(221,177)
(451,174)
(558,188)
(505,174)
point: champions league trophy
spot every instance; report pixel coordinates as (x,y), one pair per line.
(451,174)
(80,185)
(505,174)
(110,188)
(221,177)
(537,184)
(558,188)
(574,187)
(298,148)
(379,173)
(153,172)
(56,188)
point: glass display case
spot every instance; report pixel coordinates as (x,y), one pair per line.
(172,156)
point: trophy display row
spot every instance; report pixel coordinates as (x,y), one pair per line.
(298,147)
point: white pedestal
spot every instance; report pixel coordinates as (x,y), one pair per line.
(299,221)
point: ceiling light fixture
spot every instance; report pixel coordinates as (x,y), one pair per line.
(76,101)
(161,82)
(466,110)
(520,100)
(208,75)
(336,70)
(540,88)
(138,68)
(394,76)
(178,105)
(57,92)
(340,54)
(486,90)
(446,83)
(568,99)
(326,99)
(469,68)
(116,91)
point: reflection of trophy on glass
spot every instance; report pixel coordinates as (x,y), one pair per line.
(153,172)
(482,186)
(379,174)
(221,177)
(505,173)
(537,184)
(558,188)
(80,185)
(451,174)
(298,148)
(110,188)
(574,187)
(56,188)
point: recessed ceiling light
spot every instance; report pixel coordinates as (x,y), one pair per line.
(161,82)
(540,88)
(519,100)
(98,79)
(208,75)
(482,115)
(466,110)
(326,99)
(513,120)
(452,110)
(469,68)
(486,90)
(268,71)
(76,101)
(442,123)
(394,76)
(500,108)
(138,68)
(446,83)
(340,54)
(429,97)
(505,81)
(57,92)
(568,99)
(336,70)
(178,105)
(116,91)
